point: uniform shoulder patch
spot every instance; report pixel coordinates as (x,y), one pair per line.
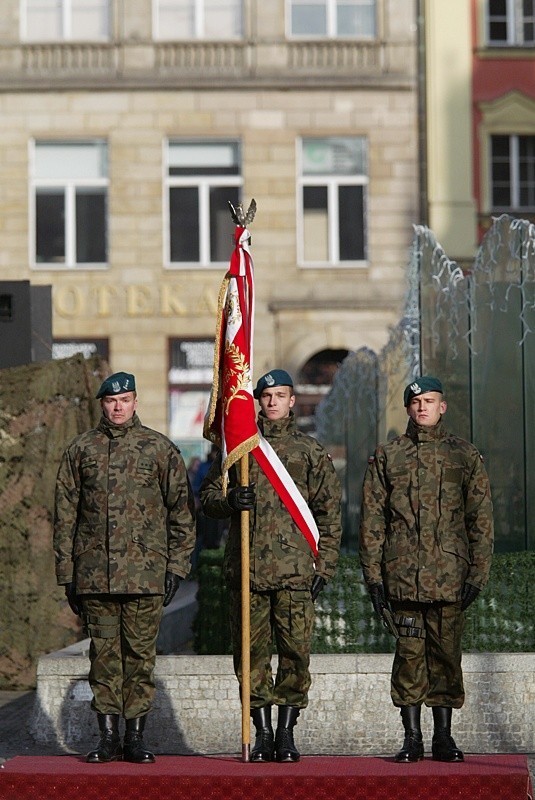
(371,459)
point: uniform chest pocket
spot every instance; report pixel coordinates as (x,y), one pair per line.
(453,474)
(145,464)
(297,467)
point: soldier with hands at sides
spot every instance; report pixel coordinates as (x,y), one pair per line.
(285,577)
(123,533)
(426,539)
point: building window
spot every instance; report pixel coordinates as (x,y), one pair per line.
(201,178)
(191,372)
(513,173)
(66,348)
(70,20)
(352,19)
(69,204)
(511,23)
(332,201)
(198,19)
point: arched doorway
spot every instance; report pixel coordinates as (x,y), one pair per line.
(314,382)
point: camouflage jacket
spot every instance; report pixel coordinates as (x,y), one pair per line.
(280,557)
(426,521)
(123,511)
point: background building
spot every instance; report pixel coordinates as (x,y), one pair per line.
(126,128)
(478,323)
(477,73)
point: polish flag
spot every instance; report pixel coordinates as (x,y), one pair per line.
(230,420)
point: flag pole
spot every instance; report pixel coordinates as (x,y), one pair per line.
(245,622)
(230,419)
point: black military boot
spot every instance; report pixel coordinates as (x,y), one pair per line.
(133,742)
(264,741)
(109,747)
(413,748)
(285,749)
(443,746)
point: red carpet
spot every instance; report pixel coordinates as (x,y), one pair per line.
(492,777)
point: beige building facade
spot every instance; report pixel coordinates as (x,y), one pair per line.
(124,133)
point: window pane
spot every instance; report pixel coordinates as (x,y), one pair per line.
(528,27)
(356,19)
(223,19)
(501,196)
(44,20)
(71,160)
(50,226)
(526,170)
(90,19)
(498,32)
(334,156)
(351,220)
(221,225)
(176,20)
(196,158)
(529,30)
(91,226)
(315,223)
(184,223)
(309,19)
(501,172)
(497,21)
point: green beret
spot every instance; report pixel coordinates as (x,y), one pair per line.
(118,383)
(277,377)
(420,386)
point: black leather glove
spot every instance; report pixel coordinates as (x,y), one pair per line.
(172,582)
(378,598)
(72,598)
(318,585)
(468,595)
(242,498)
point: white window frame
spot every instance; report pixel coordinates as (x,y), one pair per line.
(70,185)
(331,32)
(514,21)
(514,174)
(203,183)
(332,183)
(66,24)
(199,26)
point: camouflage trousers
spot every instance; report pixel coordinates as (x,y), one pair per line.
(123,631)
(427,667)
(286,617)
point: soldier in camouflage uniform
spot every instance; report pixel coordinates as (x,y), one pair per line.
(426,541)
(123,535)
(285,578)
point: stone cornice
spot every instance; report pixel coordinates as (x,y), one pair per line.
(169,65)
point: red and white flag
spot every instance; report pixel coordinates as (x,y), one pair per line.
(230,421)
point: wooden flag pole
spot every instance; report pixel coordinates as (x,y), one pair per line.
(245,622)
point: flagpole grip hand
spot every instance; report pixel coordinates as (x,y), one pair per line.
(242,498)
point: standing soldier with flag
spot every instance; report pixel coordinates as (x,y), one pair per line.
(293,498)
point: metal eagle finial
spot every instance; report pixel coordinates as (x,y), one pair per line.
(238,215)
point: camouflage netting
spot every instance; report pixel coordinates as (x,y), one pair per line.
(42,407)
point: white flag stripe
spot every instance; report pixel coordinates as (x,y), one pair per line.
(291,488)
